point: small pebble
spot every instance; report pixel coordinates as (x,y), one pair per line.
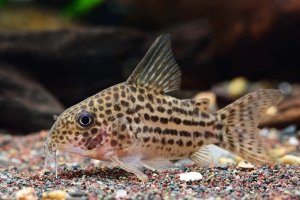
(245,165)
(4,161)
(190,176)
(226,161)
(55,194)
(290,159)
(293,141)
(121,194)
(26,194)
(15,161)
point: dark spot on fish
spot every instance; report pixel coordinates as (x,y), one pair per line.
(174,132)
(185,133)
(158,100)
(189,143)
(146,139)
(150,97)
(146,116)
(137,120)
(210,123)
(113,143)
(115,88)
(115,133)
(145,129)
(138,107)
(170,141)
(176,120)
(111,118)
(129,120)
(204,115)
(101,108)
(157,130)
(108,112)
(154,118)
(116,96)
(154,140)
(94,131)
(130,111)
(164,120)
(108,104)
(124,103)
(132,98)
(219,126)
(121,137)
(202,123)
(223,116)
(107,98)
(119,115)
(148,105)
(117,107)
(160,109)
(105,123)
(123,94)
(142,91)
(83,107)
(200,143)
(163,141)
(175,101)
(179,142)
(133,89)
(123,127)
(140,98)
(61,137)
(169,111)
(208,134)
(197,134)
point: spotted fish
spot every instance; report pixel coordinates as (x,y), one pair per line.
(135,124)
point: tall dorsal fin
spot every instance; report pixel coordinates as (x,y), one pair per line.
(202,104)
(158,70)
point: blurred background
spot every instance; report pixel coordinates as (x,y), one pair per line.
(54,54)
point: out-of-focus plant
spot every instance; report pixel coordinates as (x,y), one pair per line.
(2,2)
(81,7)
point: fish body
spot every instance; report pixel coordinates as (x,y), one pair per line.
(134,124)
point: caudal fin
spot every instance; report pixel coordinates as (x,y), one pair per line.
(240,120)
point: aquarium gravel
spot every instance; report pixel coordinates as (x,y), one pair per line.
(81,178)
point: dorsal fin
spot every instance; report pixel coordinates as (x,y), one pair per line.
(158,70)
(202,104)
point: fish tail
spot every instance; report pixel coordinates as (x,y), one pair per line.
(240,120)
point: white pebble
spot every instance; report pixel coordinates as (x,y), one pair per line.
(121,194)
(293,141)
(190,176)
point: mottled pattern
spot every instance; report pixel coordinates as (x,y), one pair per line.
(135,125)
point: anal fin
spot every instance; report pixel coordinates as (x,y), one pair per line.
(203,157)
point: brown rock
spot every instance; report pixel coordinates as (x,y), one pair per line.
(288,112)
(25,105)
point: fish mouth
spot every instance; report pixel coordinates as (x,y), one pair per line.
(50,155)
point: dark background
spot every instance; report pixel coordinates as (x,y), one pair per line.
(52,55)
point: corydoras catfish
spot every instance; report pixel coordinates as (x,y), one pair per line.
(135,124)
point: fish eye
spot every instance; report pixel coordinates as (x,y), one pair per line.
(85,119)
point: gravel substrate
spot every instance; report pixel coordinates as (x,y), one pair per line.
(86,179)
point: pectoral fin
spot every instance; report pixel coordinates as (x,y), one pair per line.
(130,165)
